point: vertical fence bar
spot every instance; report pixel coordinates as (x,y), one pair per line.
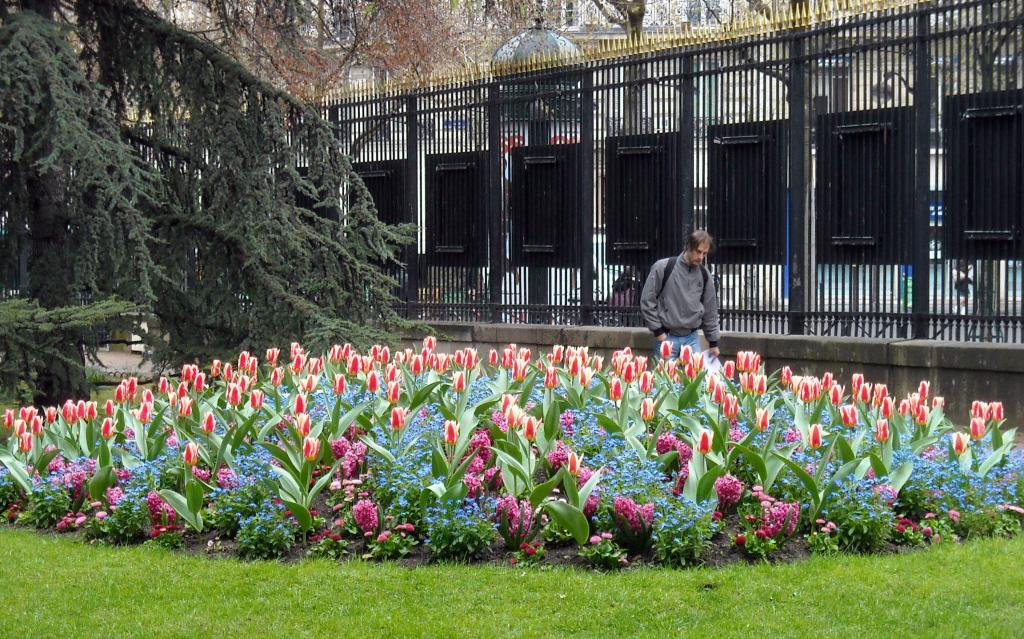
(410,254)
(686,146)
(586,185)
(799,154)
(496,252)
(922,199)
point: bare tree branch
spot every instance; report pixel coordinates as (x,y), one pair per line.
(618,19)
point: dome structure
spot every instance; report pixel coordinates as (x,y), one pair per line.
(537,42)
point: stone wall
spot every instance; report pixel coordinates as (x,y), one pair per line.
(959,372)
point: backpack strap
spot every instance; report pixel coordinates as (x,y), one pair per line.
(668,273)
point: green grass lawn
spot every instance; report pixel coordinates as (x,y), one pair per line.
(61,587)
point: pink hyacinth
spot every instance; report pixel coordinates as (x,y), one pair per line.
(684,474)
(666,442)
(56,464)
(74,481)
(201,474)
(480,445)
(476,466)
(518,515)
(567,419)
(636,517)
(685,453)
(729,490)
(499,420)
(339,447)
(559,456)
(114,495)
(474,485)
(492,478)
(736,434)
(792,435)
(590,507)
(226,478)
(354,459)
(365,514)
(159,510)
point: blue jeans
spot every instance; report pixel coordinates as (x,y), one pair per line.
(693,339)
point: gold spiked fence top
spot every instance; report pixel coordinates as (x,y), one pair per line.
(750,25)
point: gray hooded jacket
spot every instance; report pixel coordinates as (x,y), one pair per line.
(681,309)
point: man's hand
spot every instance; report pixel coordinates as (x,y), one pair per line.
(714,351)
(662,337)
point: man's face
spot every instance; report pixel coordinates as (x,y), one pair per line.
(697,255)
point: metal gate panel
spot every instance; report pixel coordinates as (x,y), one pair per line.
(747,192)
(545,206)
(456,228)
(643,194)
(984,210)
(865,188)
(385,180)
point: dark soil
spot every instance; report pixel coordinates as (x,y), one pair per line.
(721,552)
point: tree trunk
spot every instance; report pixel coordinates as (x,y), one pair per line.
(48,281)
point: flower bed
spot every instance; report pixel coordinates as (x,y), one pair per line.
(426,456)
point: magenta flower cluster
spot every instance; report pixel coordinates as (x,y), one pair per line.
(777,516)
(668,441)
(339,447)
(517,514)
(160,512)
(559,456)
(729,490)
(73,475)
(480,445)
(354,458)
(226,478)
(365,514)
(628,513)
(567,420)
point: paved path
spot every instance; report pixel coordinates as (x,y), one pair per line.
(124,363)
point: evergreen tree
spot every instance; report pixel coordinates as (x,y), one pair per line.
(147,174)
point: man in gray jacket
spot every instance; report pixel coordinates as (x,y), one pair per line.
(679,298)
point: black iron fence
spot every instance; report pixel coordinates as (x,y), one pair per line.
(860,166)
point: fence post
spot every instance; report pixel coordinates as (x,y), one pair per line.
(799,152)
(920,312)
(686,145)
(410,253)
(496,260)
(586,201)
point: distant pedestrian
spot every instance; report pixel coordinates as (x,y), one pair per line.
(625,289)
(679,298)
(962,283)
